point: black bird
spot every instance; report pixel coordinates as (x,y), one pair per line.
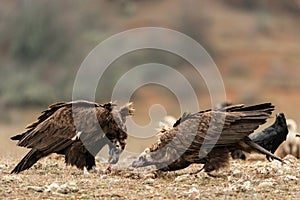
(270,138)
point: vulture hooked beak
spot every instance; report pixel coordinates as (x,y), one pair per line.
(114,154)
(143,160)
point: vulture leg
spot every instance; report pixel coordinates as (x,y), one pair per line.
(198,171)
(85,171)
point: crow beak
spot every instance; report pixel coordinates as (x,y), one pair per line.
(114,155)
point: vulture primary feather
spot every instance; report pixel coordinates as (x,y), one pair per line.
(78,130)
(207,137)
(270,138)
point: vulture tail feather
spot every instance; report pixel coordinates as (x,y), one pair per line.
(30,159)
(17,137)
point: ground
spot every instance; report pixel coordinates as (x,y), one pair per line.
(258,57)
(51,179)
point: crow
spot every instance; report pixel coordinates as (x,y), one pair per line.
(270,138)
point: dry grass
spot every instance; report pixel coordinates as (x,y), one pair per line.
(248,62)
(51,179)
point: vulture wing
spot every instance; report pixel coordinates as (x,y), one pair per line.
(207,137)
(270,138)
(62,128)
(55,129)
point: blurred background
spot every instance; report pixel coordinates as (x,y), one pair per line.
(254,43)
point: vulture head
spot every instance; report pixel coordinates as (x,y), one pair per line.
(144,159)
(116,144)
(161,158)
(162,154)
(292,125)
(114,154)
(118,141)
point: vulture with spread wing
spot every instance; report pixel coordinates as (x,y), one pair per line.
(78,130)
(207,137)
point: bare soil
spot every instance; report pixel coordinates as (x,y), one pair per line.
(256,66)
(251,179)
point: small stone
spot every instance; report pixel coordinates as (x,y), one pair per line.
(236,172)
(67,188)
(62,190)
(182,178)
(246,186)
(265,185)
(263,171)
(193,189)
(3,166)
(51,187)
(290,177)
(10,178)
(149,176)
(73,187)
(149,181)
(149,188)
(35,188)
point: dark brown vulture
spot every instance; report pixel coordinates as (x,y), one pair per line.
(207,137)
(78,130)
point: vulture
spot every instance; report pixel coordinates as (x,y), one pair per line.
(270,138)
(78,130)
(292,144)
(207,137)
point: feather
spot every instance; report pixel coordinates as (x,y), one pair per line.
(270,138)
(207,137)
(78,130)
